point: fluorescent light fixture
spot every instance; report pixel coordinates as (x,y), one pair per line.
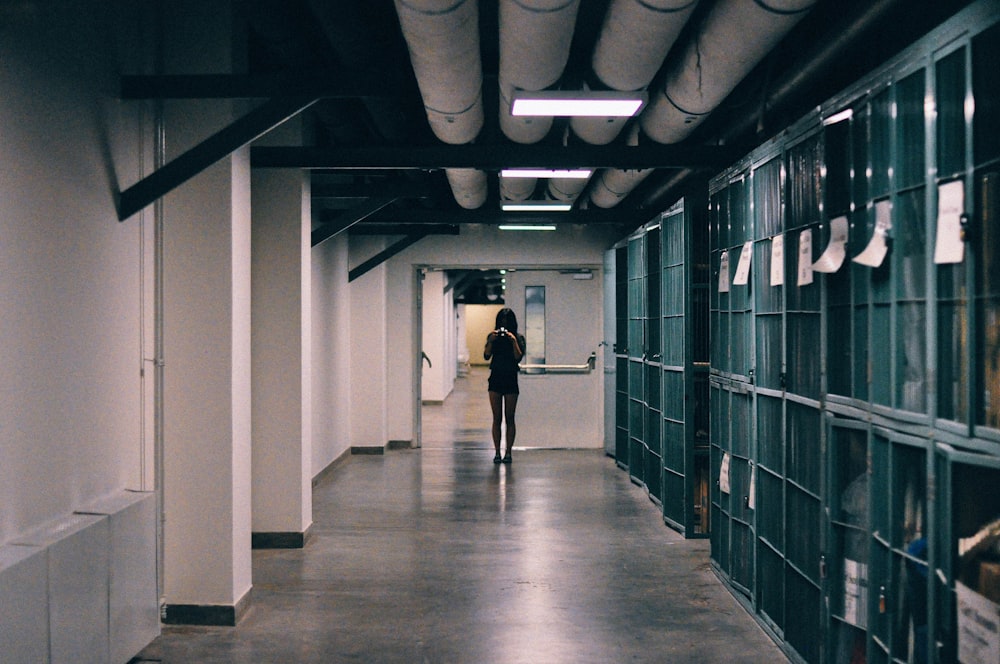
(527,227)
(576,174)
(537,206)
(581,103)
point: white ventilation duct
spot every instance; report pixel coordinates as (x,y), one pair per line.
(612,185)
(733,39)
(517,189)
(469,186)
(634,40)
(443,39)
(736,35)
(535,36)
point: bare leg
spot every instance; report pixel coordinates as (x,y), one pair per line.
(510,409)
(496,405)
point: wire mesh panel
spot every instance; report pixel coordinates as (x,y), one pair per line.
(621,357)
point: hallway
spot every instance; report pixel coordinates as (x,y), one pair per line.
(438,555)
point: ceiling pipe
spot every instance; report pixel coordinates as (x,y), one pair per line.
(535,39)
(718,58)
(633,43)
(443,39)
(826,53)
(469,186)
(712,63)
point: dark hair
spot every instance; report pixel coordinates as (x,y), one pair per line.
(506,319)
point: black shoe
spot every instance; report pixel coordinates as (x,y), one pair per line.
(497,459)
(507,458)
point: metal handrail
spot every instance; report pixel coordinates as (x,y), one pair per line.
(587,367)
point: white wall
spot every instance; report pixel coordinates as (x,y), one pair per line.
(480,320)
(207,392)
(71,277)
(477,246)
(282,364)
(562,409)
(439,331)
(368,348)
(331,353)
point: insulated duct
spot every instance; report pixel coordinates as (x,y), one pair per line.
(443,39)
(469,186)
(736,35)
(634,41)
(535,37)
(612,185)
(517,189)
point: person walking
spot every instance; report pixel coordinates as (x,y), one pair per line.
(504,349)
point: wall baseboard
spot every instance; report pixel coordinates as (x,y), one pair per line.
(280,540)
(333,465)
(368,449)
(206,614)
(399,444)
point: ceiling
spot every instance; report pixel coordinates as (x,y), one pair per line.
(381,163)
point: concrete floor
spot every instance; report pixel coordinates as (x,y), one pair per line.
(438,555)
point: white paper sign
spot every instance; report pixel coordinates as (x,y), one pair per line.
(856,593)
(875,252)
(949,247)
(752,498)
(724,473)
(833,257)
(978,627)
(805,257)
(743,267)
(724,272)
(778,260)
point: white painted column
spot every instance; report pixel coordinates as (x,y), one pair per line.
(435,334)
(369,352)
(207,391)
(282,365)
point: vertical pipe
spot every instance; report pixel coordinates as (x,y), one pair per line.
(159,159)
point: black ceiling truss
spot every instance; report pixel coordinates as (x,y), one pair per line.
(384,255)
(213,149)
(343,220)
(494,157)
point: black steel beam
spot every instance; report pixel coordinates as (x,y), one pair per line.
(370,190)
(493,157)
(347,218)
(175,173)
(493,216)
(237,86)
(384,255)
(370,228)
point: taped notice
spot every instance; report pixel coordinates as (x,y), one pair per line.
(742,275)
(724,473)
(752,498)
(833,257)
(949,247)
(856,593)
(978,627)
(805,257)
(724,272)
(875,252)
(778,260)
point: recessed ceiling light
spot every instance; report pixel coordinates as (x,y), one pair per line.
(579,173)
(581,103)
(527,227)
(537,206)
